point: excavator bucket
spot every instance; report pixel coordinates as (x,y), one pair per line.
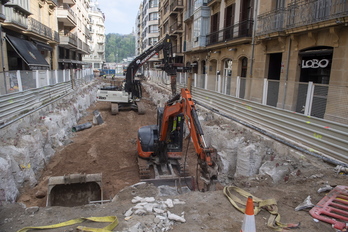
(74,190)
(172,174)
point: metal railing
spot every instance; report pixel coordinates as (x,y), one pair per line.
(301,13)
(314,135)
(26,90)
(236,31)
(41,29)
(176,3)
(323,138)
(175,27)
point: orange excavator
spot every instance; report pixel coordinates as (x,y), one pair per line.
(160,147)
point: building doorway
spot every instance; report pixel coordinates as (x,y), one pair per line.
(315,68)
(274,69)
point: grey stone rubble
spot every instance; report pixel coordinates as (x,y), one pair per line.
(243,152)
(27,145)
(163,219)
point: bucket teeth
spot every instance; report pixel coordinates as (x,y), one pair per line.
(184,171)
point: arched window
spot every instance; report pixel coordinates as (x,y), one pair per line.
(228,68)
(244,67)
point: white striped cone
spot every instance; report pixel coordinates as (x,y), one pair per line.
(249,217)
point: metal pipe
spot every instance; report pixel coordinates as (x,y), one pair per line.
(2,59)
(253,39)
(287,72)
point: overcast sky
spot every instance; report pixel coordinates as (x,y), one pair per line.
(120,15)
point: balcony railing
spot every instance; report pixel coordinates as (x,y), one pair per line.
(39,28)
(68,38)
(175,4)
(176,28)
(54,2)
(66,15)
(188,13)
(300,14)
(240,30)
(56,36)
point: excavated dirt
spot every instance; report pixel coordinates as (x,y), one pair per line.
(110,149)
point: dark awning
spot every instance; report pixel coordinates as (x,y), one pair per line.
(27,51)
(43,46)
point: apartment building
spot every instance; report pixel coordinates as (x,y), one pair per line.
(149,30)
(74,33)
(304,44)
(96,58)
(171,23)
(289,54)
(138,31)
(30,31)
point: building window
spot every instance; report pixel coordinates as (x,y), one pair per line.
(153,29)
(153,3)
(153,16)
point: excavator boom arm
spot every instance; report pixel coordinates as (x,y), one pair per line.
(166,45)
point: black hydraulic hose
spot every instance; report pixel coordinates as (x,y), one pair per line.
(274,137)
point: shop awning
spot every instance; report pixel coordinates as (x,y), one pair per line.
(43,46)
(27,51)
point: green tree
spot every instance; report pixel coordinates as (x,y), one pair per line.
(119,47)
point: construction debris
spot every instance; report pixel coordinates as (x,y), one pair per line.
(305,204)
(164,219)
(81,127)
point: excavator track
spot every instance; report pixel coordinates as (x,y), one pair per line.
(145,171)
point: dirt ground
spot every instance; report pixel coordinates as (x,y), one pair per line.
(110,149)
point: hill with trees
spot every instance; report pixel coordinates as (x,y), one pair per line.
(119,47)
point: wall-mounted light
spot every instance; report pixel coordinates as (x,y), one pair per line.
(232,49)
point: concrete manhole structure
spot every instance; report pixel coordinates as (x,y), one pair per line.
(74,190)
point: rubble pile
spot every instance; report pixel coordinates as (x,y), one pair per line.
(157,212)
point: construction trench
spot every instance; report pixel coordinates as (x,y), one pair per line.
(32,149)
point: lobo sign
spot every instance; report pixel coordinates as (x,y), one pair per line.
(315,63)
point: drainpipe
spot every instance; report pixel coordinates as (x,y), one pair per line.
(2,59)
(287,72)
(253,38)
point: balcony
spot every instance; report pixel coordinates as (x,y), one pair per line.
(66,15)
(68,40)
(87,33)
(188,14)
(83,47)
(52,2)
(176,6)
(56,36)
(232,33)
(38,29)
(213,2)
(71,2)
(16,21)
(176,28)
(301,16)
(18,7)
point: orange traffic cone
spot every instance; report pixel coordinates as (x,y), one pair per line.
(249,217)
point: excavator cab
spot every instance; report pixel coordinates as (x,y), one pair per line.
(148,137)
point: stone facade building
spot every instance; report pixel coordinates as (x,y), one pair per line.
(74,33)
(30,32)
(96,58)
(289,54)
(147,32)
